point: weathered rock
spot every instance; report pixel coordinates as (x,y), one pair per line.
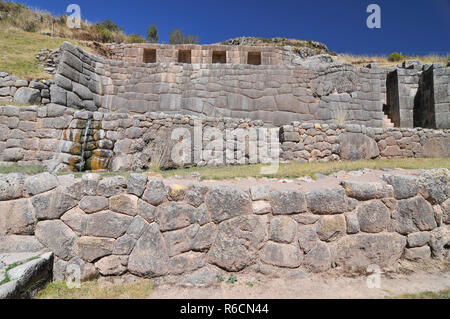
(237,243)
(112,265)
(260,192)
(446,211)
(137,227)
(171,215)
(201,278)
(282,229)
(318,259)
(53,204)
(93,248)
(11,186)
(352,222)
(286,202)
(417,253)
(149,257)
(155,192)
(56,236)
(327,201)
(19,243)
(124,204)
(124,245)
(26,95)
(111,186)
(195,194)
(439,242)
(107,224)
(93,204)
(90,183)
(76,219)
(357,146)
(366,190)
(176,192)
(435,185)
(412,215)
(373,217)
(331,228)
(362,249)
(77,268)
(186,262)
(40,183)
(261,207)
(136,184)
(225,202)
(17,217)
(282,255)
(146,211)
(418,239)
(404,186)
(307,237)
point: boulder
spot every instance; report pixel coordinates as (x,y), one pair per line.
(149,257)
(53,204)
(93,204)
(26,95)
(366,190)
(417,253)
(282,255)
(58,237)
(307,237)
(435,185)
(373,217)
(331,227)
(155,192)
(225,202)
(404,186)
(237,243)
(11,186)
(319,258)
(107,224)
(172,215)
(17,217)
(111,186)
(93,248)
(124,245)
(357,146)
(361,250)
(124,204)
(418,239)
(195,194)
(282,229)
(136,184)
(439,242)
(112,265)
(40,183)
(201,278)
(327,201)
(286,202)
(412,215)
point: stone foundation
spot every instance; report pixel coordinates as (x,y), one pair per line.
(113,226)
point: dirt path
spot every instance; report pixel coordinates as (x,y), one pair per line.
(316,286)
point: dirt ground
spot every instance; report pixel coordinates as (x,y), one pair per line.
(306,185)
(330,285)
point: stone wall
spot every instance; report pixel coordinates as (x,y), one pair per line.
(64,139)
(313,90)
(200,54)
(111,226)
(22,91)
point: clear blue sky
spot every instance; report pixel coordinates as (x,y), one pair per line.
(408,26)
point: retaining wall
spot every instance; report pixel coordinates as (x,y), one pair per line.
(64,139)
(111,226)
(23,91)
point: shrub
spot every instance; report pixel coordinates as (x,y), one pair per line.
(135,38)
(395,57)
(152,34)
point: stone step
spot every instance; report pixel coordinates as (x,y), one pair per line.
(387,121)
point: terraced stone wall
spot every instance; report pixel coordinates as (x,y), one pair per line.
(112,226)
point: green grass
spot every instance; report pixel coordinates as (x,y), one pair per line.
(443,294)
(27,169)
(18,50)
(96,290)
(12,266)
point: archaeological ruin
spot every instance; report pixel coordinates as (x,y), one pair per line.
(213,105)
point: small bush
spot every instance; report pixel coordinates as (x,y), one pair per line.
(395,57)
(135,38)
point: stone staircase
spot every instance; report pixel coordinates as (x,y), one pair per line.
(387,121)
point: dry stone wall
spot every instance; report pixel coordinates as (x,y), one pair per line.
(65,139)
(23,91)
(312,90)
(112,226)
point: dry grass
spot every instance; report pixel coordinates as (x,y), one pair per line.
(444,294)
(363,60)
(96,290)
(18,50)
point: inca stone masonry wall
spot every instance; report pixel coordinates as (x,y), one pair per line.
(64,139)
(311,90)
(111,226)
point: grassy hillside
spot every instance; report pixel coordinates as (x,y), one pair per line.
(18,50)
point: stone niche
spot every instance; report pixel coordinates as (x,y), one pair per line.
(254,58)
(184,56)
(219,57)
(149,56)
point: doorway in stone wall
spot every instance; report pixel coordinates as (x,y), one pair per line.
(254,58)
(184,56)
(219,57)
(149,56)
